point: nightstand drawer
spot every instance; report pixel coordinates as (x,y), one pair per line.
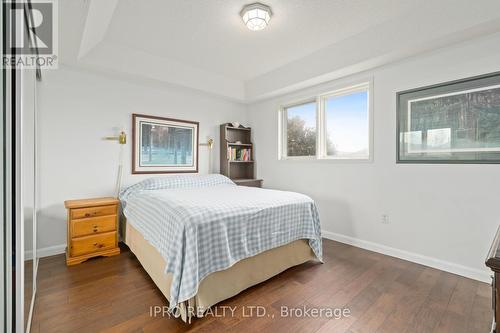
(95,243)
(81,213)
(94,225)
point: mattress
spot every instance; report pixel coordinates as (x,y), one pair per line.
(220,285)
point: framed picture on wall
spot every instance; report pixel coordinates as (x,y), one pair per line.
(164,145)
(453,122)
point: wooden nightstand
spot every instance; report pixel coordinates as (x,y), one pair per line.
(92,229)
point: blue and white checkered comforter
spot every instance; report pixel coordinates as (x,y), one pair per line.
(204,224)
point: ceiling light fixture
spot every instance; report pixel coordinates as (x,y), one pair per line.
(256,16)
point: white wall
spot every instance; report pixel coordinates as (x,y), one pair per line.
(77,109)
(440,215)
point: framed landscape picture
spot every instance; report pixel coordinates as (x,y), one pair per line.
(453,122)
(164,145)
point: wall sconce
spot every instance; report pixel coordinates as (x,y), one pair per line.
(121,138)
(210,145)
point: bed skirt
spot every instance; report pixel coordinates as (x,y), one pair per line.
(221,285)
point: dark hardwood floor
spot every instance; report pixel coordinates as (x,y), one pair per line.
(383,294)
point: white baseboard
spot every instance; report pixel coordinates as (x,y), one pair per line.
(46,251)
(472,273)
(28,255)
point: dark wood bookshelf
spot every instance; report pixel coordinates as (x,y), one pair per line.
(242,172)
(230,128)
(240,144)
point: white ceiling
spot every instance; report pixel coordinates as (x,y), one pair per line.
(210,34)
(204,45)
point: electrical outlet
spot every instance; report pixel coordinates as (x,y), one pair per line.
(385,219)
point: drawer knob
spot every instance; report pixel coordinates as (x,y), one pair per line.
(95,229)
(98,245)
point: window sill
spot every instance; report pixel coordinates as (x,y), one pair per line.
(327,160)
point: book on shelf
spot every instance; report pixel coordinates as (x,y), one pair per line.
(239,154)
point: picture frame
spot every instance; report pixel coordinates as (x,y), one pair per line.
(164,145)
(452,122)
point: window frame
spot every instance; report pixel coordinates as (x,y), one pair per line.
(283,129)
(321,130)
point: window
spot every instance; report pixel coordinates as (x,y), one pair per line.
(301,130)
(329,126)
(347,124)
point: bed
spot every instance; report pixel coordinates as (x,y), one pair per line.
(203,239)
